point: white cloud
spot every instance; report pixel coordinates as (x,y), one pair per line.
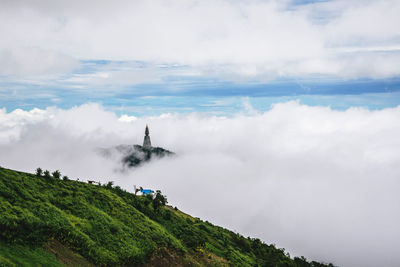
(26,61)
(319,182)
(261,39)
(365,22)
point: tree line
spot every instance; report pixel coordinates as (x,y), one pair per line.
(158,199)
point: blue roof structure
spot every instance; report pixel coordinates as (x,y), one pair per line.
(147,191)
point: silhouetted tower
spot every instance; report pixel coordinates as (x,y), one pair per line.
(146,141)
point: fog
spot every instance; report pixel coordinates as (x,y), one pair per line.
(319,182)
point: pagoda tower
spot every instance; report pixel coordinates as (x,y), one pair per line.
(146,141)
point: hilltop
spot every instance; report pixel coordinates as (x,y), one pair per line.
(49,221)
(135,155)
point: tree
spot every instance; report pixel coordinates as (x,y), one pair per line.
(56,174)
(47,174)
(301,261)
(65,178)
(109,185)
(159,200)
(39,172)
(118,190)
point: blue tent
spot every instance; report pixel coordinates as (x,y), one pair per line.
(147,191)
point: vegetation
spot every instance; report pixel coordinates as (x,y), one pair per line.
(45,220)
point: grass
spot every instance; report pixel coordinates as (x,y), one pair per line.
(20,255)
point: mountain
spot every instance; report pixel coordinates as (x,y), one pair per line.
(135,155)
(48,221)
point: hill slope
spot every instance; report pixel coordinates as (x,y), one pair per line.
(52,222)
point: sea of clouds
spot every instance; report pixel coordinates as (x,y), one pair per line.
(319,182)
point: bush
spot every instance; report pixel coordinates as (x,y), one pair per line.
(56,174)
(47,174)
(110,185)
(241,242)
(39,172)
(167,215)
(159,200)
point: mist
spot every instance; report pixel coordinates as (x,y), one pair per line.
(319,182)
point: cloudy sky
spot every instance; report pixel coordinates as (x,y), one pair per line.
(152,53)
(285,115)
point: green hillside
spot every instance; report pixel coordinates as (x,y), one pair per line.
(46,221)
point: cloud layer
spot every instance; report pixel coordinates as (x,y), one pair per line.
(319,182)
(258,40)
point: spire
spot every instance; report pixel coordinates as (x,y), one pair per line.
(146,141)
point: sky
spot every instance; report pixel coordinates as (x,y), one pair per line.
(285,114)
(68,53)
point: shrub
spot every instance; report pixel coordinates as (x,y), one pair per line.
(118,190)
(56,174)
(167,215)
(39,172)
(241,242)
(110,185)
(47,174)
(159,200)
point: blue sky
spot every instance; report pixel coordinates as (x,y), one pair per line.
(149,58)
(196,94)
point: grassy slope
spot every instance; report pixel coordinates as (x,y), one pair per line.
(19,255)
(51,221)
